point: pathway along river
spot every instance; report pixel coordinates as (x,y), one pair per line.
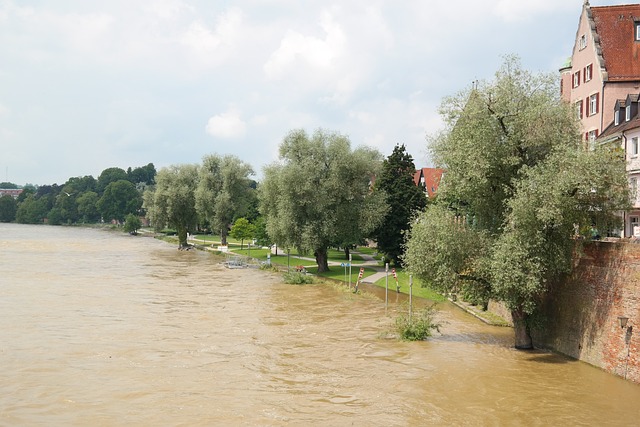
(100,328)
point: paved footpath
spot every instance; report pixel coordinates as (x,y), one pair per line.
(372,263)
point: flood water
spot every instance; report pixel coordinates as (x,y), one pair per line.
(101,328)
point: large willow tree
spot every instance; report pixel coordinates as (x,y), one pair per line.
(519,188)
(319,193)
(224,192)
(172,201)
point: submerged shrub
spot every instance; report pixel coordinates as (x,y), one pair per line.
(419,327)
(297,278)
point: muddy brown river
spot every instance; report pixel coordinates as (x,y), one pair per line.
(103,329)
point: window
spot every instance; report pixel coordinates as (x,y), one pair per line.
(637,28)
(583,42)
(616,118)
(593,104)
(579,109)
(635,225)
(627,113)
(587,72)
(576,79)
(633,147)
(591,138)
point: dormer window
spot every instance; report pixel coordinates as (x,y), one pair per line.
(616,118)
(627,113)
(583,42)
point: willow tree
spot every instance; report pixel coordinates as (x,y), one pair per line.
(224,192)
(319,193)
(172,201)
(519,188)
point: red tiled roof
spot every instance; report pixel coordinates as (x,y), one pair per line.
(615,26)
(432,177)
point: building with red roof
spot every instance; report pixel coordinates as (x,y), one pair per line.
(429,179)
(604,65)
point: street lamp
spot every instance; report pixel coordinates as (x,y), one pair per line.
(623,321)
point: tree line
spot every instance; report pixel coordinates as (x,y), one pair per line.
(111,197)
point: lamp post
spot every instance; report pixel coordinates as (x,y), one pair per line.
(624,320)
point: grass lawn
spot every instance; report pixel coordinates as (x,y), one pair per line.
(338,272)
(403,281)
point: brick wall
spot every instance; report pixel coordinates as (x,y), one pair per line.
(579,316)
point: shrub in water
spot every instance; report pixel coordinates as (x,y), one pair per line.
(419,327)
(297,278)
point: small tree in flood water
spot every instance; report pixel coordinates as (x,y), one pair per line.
(519,185)
(418,327)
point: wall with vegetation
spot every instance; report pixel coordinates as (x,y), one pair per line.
(580,316)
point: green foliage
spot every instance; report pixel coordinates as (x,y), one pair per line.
(242,229)
(518,185)
(108,176)
(173,203)
(8,208)
(132,224)
(145,174)
(32,210)
(261,235)
(297,278)
(404,198)
(418,327)
(224,192)
(119,199)
(87,206)
(319,195)
(8,185)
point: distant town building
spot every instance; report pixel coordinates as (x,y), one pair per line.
(429,179)
(13,192)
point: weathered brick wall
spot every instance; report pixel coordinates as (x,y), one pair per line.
(580,314)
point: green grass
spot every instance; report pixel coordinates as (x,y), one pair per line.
(417,288)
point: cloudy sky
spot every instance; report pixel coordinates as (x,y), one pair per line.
(89,85)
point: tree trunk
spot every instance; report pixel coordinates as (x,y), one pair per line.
(521,329)
(223,236)
(182,238)
(322,260)
(346,253)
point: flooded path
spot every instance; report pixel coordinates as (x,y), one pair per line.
(100,328)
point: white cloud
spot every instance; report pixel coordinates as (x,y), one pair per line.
(320,54)
(227,125)
(518,10)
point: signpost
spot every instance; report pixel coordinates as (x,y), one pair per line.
(349,271)
(386,288)
(410,295)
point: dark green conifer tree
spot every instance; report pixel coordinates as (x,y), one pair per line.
(404,198)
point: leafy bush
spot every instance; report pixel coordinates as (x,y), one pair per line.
(419,327)
(268,267)
(297,278)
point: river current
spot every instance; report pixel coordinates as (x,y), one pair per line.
(101,328)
